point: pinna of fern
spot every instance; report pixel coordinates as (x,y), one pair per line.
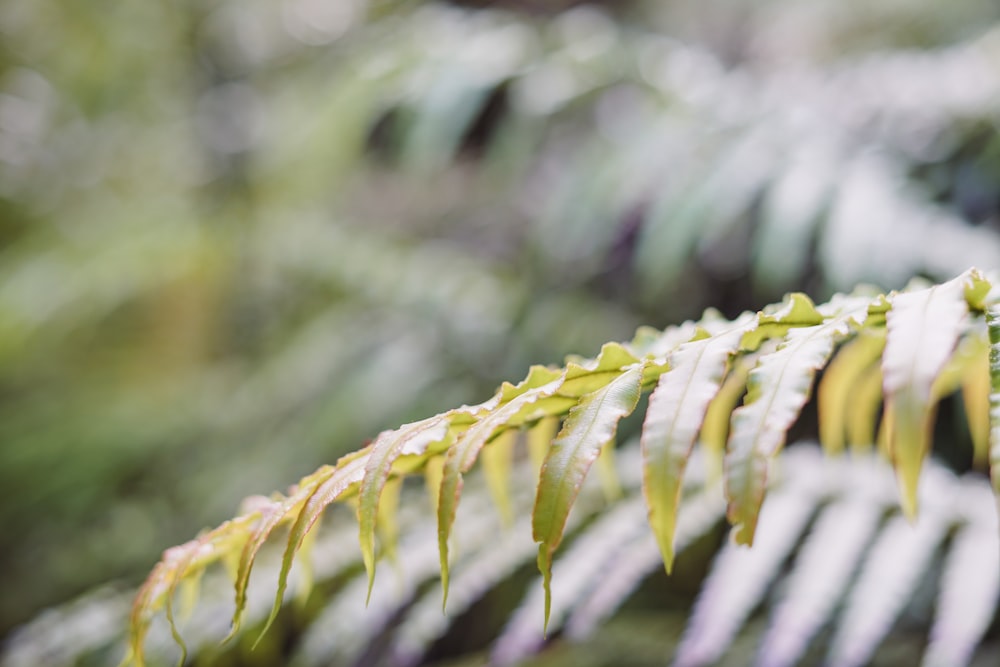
(903,350)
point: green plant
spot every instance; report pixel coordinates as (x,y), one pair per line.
(902,351)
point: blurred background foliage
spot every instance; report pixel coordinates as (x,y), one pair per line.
(238,238)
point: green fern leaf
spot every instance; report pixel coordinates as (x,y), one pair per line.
(540,384)
(923,328)
(497,461)
(837,415)
(589,426)
(413,439)
(676,412)
(337,481)
(778,388)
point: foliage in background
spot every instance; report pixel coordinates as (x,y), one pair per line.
(227,225)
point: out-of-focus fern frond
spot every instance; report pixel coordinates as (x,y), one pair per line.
(857,547)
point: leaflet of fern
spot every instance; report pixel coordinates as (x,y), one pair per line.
(497,460)
(589,426)
(385,450)
(840,383)
(778,388)
(676,412)
(225,540)
(923,328)
(539,384)
(343,479)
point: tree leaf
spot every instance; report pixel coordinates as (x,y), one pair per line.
(589,426)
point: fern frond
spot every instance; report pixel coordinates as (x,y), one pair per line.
(740,577)
(785,345)
(970,583)
(825,563)
(700,512)
(888,578)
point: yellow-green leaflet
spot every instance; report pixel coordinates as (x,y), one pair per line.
(343,478)
(676,412)
(386,524)
(976,398)
(715,429)
(840,384)
(777,389)
(923,328)
(540,436)
(497,459)
(540,383)
(589,426)
(862,409)
(384,452)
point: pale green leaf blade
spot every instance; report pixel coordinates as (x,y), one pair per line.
(863,408)
(386,524)
(498,458)
(607,472)
(540,437)
(715,428)
(840,383)
(384,451)
(778,388)
(587,428)
(346,476)
(923,328)
(976,399)
(676,412)
(463,454)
